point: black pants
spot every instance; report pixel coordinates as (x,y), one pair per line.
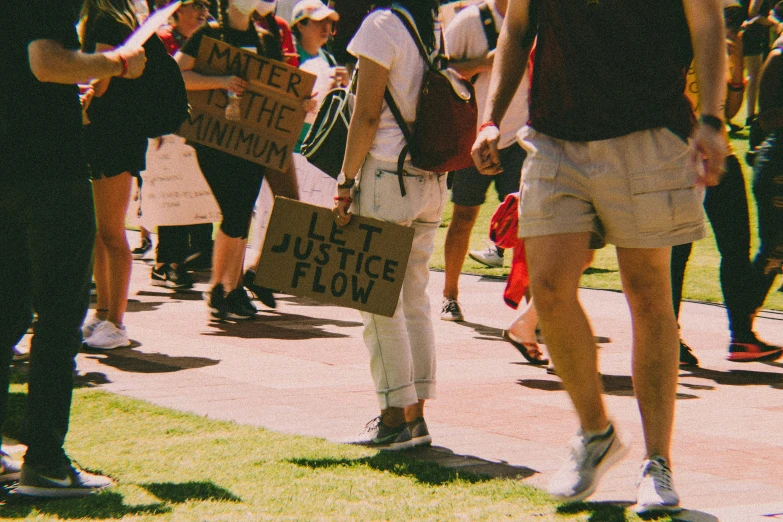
(175,243)
(46,243)
(726,205)
(768,190)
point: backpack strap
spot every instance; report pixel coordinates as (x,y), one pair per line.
(488,23)
(414,34)
(406,132)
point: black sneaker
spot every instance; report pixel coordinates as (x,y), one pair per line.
(262,293)
(687,359)
(140,251)
(170,277)
(239,305)
(386,438)
(216,301)
(420,435)
(158,275)
(67,481)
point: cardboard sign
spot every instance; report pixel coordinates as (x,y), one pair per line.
(359,266)
(175,192)
(271,106)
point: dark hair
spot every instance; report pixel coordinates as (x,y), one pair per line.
(424,13)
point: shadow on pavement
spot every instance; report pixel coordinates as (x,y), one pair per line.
(617,385)
(274,325)
(131,360)
(432,465)
(741,377)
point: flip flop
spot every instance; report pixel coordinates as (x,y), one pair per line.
(526,349)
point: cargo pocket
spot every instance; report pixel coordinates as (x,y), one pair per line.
(537,190)
(388,203)
(665,200)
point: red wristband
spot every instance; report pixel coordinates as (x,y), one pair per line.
(124,63)
(487,124)
(345,200)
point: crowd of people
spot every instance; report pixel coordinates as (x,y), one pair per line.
(585,121)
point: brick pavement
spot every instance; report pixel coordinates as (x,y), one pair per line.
(302,368)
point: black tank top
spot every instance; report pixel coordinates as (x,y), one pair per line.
(607,68)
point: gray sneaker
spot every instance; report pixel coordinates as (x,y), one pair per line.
(67,481)
(489,257)
(590,458)
(451,311)
(420,435)
(655,489)
(386,438)
(10,469)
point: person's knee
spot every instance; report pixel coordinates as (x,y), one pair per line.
(113,241)
(463,218)
(235,229)
(551,294)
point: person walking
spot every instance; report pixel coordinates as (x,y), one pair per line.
(116,154)
(48,232)
(402,347)
(471,38)
(607,155)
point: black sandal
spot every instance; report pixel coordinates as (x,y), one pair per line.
(525,350)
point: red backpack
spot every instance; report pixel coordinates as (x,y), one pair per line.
(445,126)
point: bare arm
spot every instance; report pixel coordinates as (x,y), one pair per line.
(52,63)
(705,20)
(736,81)
(361,131)
(511,59)
(199,82)
(472,66)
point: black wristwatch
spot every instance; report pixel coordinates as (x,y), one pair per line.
(712,121)
(345,183)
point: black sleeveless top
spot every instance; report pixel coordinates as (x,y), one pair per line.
(607,68)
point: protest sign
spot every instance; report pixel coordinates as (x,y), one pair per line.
(360,265)
(271,106)
(175,191)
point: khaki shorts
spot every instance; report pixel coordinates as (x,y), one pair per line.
(634,191)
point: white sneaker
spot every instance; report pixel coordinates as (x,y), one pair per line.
(590,458)
(450,310)
(107,336)
(655,489)
(89,326)
(489,256)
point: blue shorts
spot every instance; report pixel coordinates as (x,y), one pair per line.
(470,186)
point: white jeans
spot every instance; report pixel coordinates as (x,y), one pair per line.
(402,347)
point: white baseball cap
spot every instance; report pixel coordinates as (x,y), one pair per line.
(312,9)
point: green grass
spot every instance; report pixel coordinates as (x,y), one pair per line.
(701,277)
(174,466)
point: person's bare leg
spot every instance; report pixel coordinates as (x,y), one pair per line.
(112,196)
(414,411)
(228,256)
(645,274)
(753,70)
(456,246)
(555,264)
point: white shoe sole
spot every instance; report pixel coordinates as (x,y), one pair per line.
(451,318)
(484,262)
(111,346)
(641,509)
(32,491)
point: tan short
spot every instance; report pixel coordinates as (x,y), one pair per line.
(634,191)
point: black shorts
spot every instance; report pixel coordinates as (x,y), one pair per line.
(110,153)
(470,186)
(235,183)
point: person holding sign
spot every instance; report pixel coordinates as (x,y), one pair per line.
(402,347)
(235,182)
(48,232)
(116,155)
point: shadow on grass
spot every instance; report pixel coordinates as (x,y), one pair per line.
(106,505)
(433,466)
(111,504)
(187,491)
(598,511)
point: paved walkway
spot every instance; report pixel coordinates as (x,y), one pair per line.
(303,368)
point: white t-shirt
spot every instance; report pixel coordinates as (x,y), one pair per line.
(465,39)
(383,39)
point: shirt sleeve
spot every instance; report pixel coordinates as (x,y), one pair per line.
(52,20)
(374,40)
(109,31)
(456,35)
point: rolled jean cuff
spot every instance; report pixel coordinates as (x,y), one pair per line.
(398,397)
(425,389)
